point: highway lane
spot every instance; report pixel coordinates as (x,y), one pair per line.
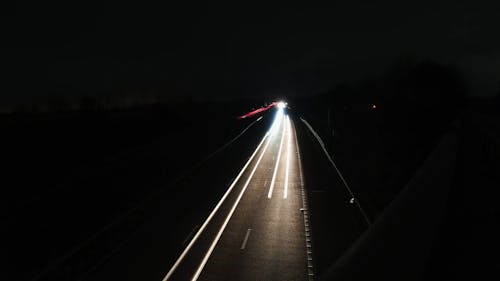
(173,215)
(275,247)
(336,222)
(256,231)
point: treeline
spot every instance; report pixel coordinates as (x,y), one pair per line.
(410,94)
(69,102)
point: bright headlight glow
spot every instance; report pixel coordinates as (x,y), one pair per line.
(281,104)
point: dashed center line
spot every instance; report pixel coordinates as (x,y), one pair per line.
(243,245)
(229,215)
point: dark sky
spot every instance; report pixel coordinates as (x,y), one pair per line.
(238,49)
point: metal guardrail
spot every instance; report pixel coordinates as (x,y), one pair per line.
(398,245)
(353,200)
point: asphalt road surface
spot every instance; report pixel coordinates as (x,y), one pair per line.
(255,228)
(257,231)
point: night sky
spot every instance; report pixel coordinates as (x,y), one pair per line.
(232,50)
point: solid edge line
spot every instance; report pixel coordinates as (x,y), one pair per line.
(219,234)
(273,180)
(209,218)
(305,212)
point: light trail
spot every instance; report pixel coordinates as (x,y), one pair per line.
(226,221)
(277,120)
(257,111)
(273,179)
(289,143)
(207,221)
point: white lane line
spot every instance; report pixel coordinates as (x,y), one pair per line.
(289,143)
(204,225)
(216,240)
(243,245)
(273,180)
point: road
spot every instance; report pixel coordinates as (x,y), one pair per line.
(257,230)
(223,223)
(244,215)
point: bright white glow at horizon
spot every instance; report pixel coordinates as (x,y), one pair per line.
(281,104)
(273,179)
(277,122)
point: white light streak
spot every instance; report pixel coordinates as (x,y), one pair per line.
(221,230)
(276,123)
(273,180)
(288,146)
(202,228)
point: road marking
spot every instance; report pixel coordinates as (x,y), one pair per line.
(204,225)
(273,180)
(217,237)
(246,239)
(289,143)
(305,213)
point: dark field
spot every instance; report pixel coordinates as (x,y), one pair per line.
(81,185)
(75,180)
(379,155)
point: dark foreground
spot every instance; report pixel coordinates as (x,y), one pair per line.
(101,196)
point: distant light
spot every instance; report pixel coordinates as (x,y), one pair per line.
(374,106)
(281,104)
